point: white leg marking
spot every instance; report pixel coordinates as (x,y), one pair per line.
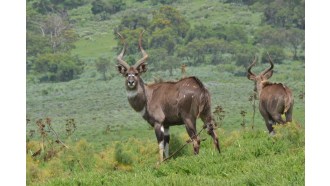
(271,122)
(166,132)
(161,145)
(167,145)
(161,150)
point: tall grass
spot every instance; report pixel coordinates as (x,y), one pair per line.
(248,157)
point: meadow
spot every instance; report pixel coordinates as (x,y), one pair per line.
(106,125)
(108,143)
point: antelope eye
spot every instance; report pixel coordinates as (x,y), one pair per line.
(136,74)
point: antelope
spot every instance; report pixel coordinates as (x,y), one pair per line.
(275,99)
(165,104)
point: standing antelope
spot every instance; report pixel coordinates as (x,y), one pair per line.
(275,99)
(167,103)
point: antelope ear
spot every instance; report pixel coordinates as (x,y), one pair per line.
(251,77)
(269,74)
(121,69)
(142,68)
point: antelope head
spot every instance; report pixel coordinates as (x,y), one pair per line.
(132,73)
(261,79)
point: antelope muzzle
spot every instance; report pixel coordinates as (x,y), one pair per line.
(131,81)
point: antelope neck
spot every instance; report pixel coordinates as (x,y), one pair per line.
(137,98)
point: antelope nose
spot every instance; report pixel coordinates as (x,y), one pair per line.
(130,82)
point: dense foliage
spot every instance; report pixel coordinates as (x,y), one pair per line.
(280,32)
(50,38)
(106,7)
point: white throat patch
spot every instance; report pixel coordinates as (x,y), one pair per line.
(131,93)
(143,111)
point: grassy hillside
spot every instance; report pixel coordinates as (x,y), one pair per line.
(113,145)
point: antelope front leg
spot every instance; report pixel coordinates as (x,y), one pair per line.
(159,131)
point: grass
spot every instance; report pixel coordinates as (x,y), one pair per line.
(113,145)
(248,157)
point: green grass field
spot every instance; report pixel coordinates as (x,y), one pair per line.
(113,145)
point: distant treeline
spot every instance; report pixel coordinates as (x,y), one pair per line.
(171,39)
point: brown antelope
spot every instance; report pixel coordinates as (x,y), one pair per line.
(275,99)
(166,104)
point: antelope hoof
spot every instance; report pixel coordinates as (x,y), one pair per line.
(216,143)
(196,151)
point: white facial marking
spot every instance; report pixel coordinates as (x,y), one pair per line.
(131,94)
(162,129)
(131,85)
(167,146)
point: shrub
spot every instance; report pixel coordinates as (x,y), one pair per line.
(121,156)
(108,7)
(56,67)
(276,53)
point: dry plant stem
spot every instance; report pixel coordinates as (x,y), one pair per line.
(58,139)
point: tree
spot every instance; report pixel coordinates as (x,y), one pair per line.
(57,67)
(200,32)
(131,40)
(156,58)
(154,2)
(268,36)
(295,38)
(164,38)
(107,7)
(50,38)
(168,16)
(244,53)
(133,21)
(56,29)
(56,6)
(276,53)
(102,65)
(235,33)
(285,13)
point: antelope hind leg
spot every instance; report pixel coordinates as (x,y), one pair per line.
(211,131)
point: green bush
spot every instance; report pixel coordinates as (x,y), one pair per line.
(276,53)
(56,67)
(108,7)
(121,156)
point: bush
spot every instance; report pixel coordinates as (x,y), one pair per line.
(57,67)
(109,7)
(121,156)
(276,53)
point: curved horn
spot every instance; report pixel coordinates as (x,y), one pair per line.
(249,68)
(144,53)
(120,56)
(271,65)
